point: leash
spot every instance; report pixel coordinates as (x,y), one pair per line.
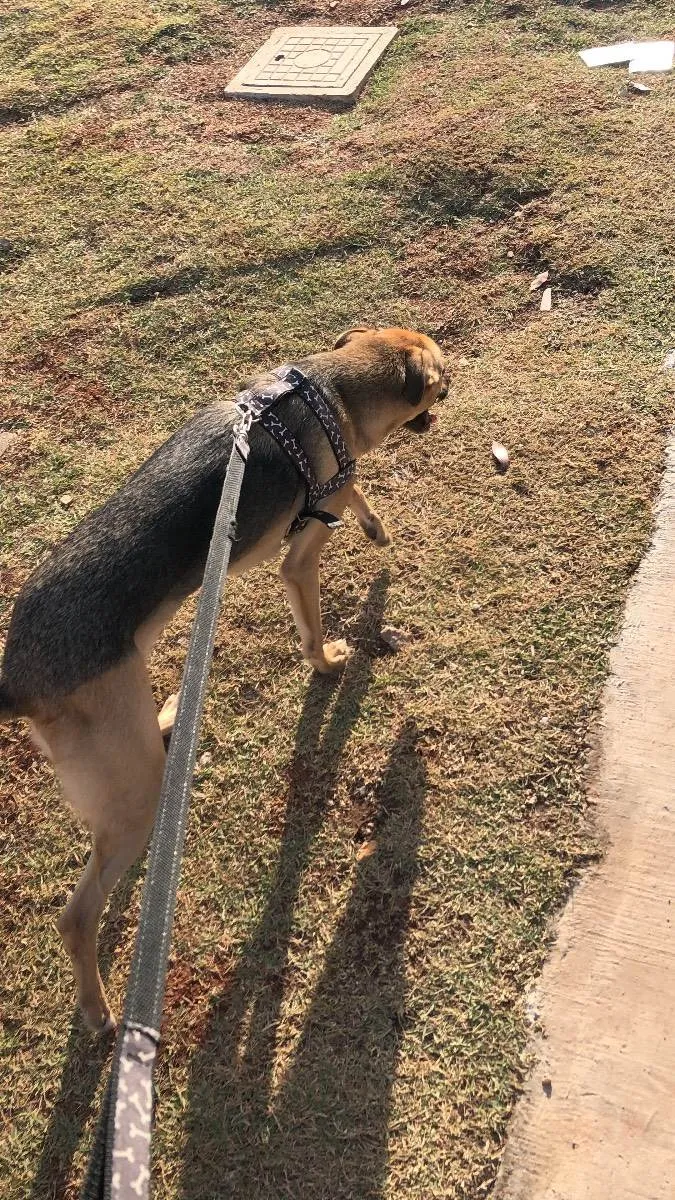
(119,1166)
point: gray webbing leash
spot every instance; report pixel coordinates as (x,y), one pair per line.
(119,1167)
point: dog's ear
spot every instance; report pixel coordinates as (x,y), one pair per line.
(419,373)
(414,379)
(348,335)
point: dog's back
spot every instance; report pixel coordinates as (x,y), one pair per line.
(79,611)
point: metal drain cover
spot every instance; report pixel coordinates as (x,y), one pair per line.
(301,61)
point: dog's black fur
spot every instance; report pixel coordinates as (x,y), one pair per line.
(79,612)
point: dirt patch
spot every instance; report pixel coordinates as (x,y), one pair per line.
(11,253)
(445,191)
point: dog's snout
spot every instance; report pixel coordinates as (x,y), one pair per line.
(442,395)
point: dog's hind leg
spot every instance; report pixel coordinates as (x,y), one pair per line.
(107,750)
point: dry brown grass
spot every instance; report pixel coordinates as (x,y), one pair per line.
(337,1026)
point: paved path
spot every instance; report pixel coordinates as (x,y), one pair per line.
(597,1121)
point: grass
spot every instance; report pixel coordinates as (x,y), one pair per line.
(339,1023)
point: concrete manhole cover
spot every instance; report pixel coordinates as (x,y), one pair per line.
(302,61)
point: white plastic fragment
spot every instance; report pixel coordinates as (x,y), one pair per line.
(634,86)
(539,281)
(604,56)
(669,361)
(546,300)
(640,56)
(652,56)
(500,457)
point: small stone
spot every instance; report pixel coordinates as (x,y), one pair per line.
(669,361)
(546,300)
(206,760)
(66,499)
(395,639)
(475,608)
(510,254)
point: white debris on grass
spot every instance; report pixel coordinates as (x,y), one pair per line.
(605,56)
(640,56)
(500,457)
(539,281)
(652,56)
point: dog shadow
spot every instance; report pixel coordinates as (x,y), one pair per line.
(85,1059)
(319,1132)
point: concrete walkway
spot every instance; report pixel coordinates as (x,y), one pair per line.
(597,1121)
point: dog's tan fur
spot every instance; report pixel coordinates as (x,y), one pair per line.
(104,739)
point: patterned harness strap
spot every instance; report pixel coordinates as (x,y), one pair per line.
(260,404)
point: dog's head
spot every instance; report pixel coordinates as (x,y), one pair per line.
(409,364)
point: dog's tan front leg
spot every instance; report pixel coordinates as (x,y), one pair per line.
(300,573)
(371,524)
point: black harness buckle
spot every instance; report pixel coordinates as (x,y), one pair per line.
(317,514)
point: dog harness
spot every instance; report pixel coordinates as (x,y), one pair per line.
(261,407)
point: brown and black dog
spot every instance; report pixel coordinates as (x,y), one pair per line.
(85,623)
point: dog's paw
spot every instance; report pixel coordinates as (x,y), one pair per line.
(167,716)
(376,532)
(336,655)
(108,1026)
(98,1019)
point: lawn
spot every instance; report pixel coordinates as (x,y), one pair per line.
(374,863)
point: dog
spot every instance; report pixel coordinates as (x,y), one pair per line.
(86,621)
